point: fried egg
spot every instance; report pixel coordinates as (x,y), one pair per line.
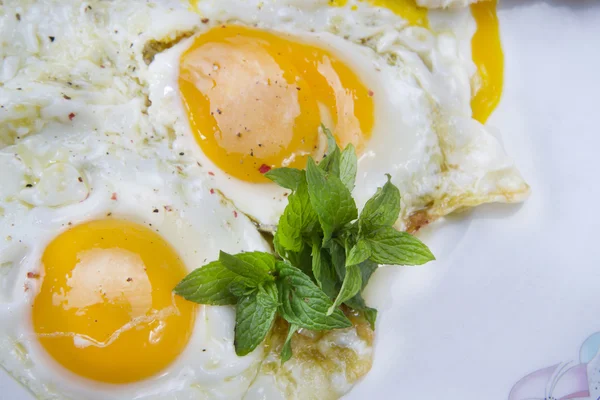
(408,88)
(94,238)
(87,308)
(102,214)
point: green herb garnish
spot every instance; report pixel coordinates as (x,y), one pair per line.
(325,255)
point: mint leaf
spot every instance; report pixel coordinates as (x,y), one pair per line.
(248,265)
(330,199)
(350,287)
(323,270)
(357,303)
(267,295)
(301,259)
(288,178)
(331,143)
(348,167)
(371,316)
(253,319)
(304,304)
(382,209)
(297,218)
(338,258)
(359,253)
(331,162)
(389,246)
(208,285)
(279,249)
(367,268)
(286,351)
(259,259)
(241,287)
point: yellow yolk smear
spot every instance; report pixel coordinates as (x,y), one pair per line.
(256,99)
(487,55)
(106,310)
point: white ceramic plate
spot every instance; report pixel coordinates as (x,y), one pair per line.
(510,310)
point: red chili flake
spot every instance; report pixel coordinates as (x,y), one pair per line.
(71,116)
(129,279)
(212,191)
(371,93)
(211,173)
(234,214)
(114,196)
(32,275)
(205,20)
(168,208)
(264,169)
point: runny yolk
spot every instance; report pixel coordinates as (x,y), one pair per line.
(255,98)
(106,310)
(487,55)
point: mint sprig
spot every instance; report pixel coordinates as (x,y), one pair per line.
(325,254)
(208,285)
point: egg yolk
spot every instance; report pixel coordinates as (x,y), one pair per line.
(257,99)
(106,310)
(488,57)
